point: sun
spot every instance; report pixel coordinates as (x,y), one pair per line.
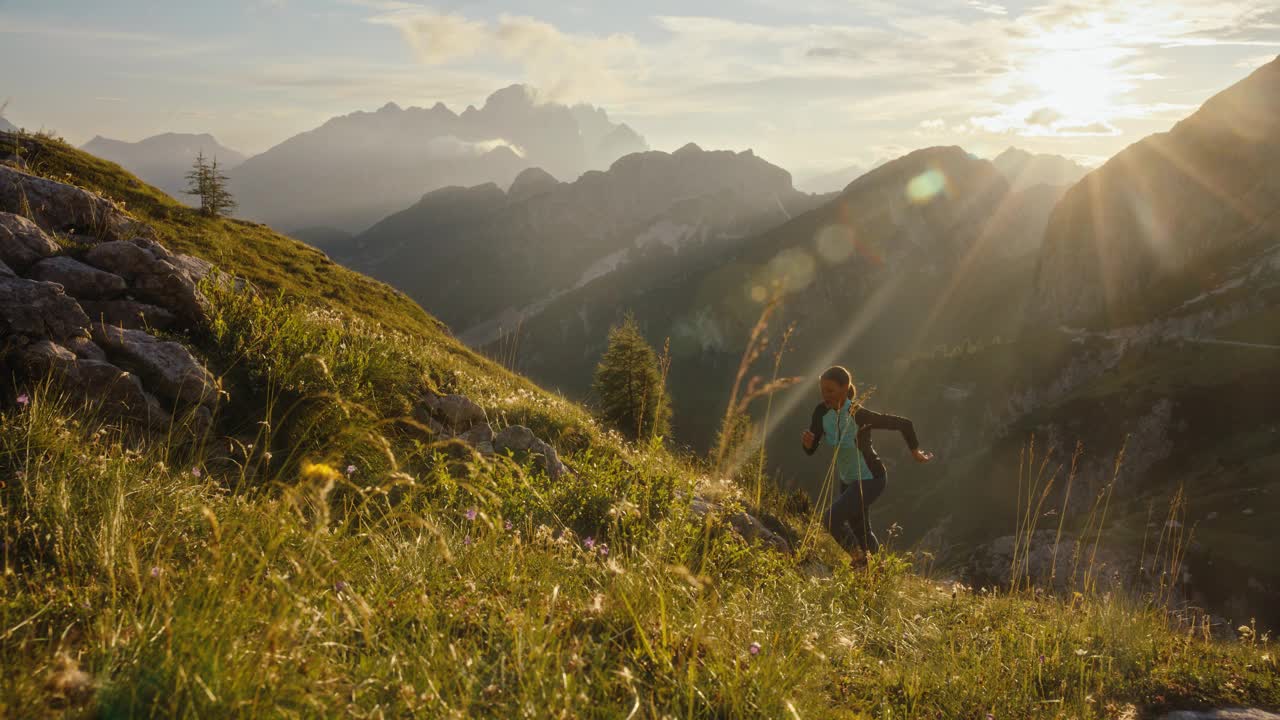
(1079,85)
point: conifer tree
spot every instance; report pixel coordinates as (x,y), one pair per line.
(629,384)
(210,185)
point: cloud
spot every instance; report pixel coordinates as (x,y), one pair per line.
(989,8)
(450,146)
(1044,117)
(561,65)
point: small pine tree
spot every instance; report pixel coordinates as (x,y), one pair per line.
(630,385)
(210,185)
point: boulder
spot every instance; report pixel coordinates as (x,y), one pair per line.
(6,271)
(518,438)
(84,348)
(152,276)
(167,367)
(59,207)
(79,280)
(96,382)
(481,433)
(457,412)
(746,525)
(128,314)
(39,310)
(22,242)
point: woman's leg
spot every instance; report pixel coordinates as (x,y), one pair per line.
(859,518)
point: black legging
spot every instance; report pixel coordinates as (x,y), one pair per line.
(849,520)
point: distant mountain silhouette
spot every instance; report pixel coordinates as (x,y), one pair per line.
(1025,170)
(356,169)
(835,181)
(164,160)
(6,126)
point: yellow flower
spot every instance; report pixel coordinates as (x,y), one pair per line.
(319,471)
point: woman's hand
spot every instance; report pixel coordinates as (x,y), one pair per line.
(807,439)
(921,456)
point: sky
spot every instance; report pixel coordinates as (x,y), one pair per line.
(810,85)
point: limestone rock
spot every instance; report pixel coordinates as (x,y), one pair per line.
(39,310)
(166,366)
(79,280)
(22,242)
(458,412)
(60,207)
(152,276)
(478,434)
(84,349)
(518,438)
(6,271)
(128,314)
(117,392)
(746,525)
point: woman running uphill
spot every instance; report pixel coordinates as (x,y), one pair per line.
(847,426)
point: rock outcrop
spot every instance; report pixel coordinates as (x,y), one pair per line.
(79,314)
(62,208)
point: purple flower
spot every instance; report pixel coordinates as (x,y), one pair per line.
(351,470)
(754,648)
(589,543)
(603,550)
(155,572)
(340,586)
(507,526)
(195,471)
(466,540)
(471,513)
(24,399)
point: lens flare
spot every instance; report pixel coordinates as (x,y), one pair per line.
(926,186)
(834,243)
(792,270)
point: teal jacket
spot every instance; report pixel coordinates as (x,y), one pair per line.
(848,430)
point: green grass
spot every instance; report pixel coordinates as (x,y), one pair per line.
(251,575)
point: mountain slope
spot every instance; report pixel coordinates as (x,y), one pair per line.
(1166,207)
(164,160)
(6,126)
(356,169)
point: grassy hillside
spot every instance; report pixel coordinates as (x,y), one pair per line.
(323,556)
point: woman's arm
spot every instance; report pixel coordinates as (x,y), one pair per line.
(813,436)
(873,420)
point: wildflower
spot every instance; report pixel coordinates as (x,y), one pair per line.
(195,472)
(340,586)
(1041,659)
(1081,651)
(603,550)
(471,513)
(351,470)
(24,399)
(507,526)
(466,540)
(589,543)
(155,572)
(318,471)
(754,648)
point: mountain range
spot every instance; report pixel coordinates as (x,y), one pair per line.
(359,168)
(544,237)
